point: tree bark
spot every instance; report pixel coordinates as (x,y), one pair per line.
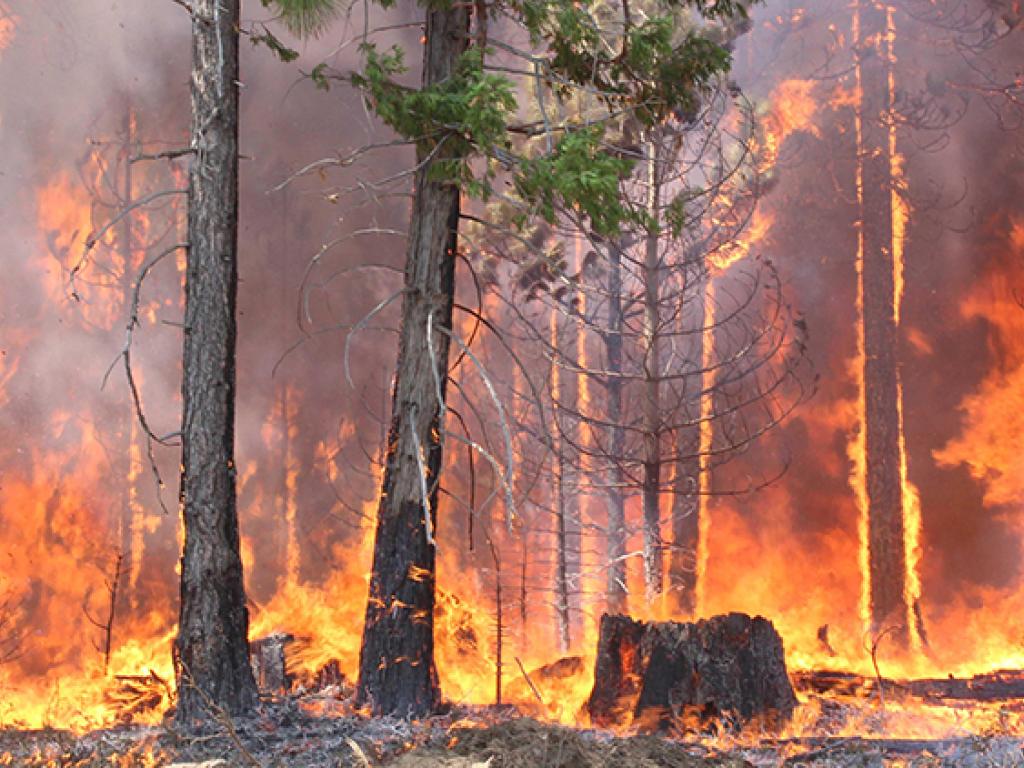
(396,666)
(887,555)
(726,669)
(211,650)
(616,538)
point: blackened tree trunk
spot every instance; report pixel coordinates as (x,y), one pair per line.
(882,418)
(616,537)
(396,665)
(211,650)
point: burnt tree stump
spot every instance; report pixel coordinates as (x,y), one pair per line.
(268,656)
(726,668)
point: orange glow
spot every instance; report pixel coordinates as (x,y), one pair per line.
(994,415)
(8,26)
(792,108)
(857,446)
(62,513)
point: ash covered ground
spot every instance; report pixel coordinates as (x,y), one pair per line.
(285,735)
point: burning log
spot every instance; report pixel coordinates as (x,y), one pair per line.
(1002,685)
(654,674)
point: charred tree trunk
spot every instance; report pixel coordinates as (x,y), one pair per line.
(211,650)
(396,665)
(882,418)
(653,567)
(616,541)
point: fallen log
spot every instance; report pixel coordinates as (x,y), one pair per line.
(1001,685)
(726,669)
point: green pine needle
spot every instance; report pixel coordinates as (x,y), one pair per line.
(307,18)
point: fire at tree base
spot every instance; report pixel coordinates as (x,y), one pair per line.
(726,669)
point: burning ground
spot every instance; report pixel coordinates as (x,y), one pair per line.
(89,552)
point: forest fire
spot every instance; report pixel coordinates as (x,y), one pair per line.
(786,382)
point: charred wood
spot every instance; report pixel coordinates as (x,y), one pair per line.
(396,664)
(657,674)
(211,650)
(1002,685)
(268,656)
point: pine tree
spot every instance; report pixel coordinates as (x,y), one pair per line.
(211,650)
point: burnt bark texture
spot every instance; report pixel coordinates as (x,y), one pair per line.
(727,668)
(887,555)
(396,666)
(211,649)
(1004,685)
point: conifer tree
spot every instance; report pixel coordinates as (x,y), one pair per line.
(211,649)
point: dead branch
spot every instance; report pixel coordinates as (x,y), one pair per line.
(106,626)
(875,642)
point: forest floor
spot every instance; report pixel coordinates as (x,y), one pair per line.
(286,736)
